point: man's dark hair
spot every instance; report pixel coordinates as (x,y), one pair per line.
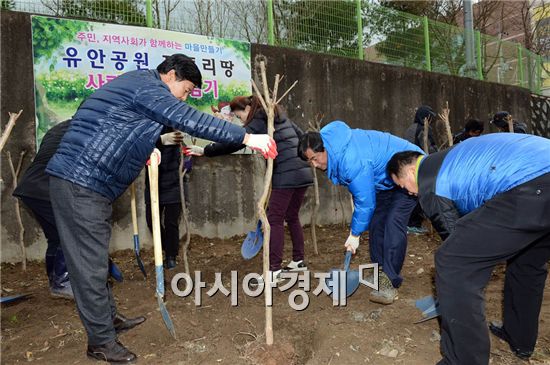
(473,125)
(184,66)
(311,140)
(400,160)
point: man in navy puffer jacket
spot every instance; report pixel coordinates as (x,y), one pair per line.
(489,199)
(108,142)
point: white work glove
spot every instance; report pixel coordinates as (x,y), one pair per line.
(263,143)
(171,138)
(193,150)
(352,243)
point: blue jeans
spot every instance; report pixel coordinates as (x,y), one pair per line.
(388,231)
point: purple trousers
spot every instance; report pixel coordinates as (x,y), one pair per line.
(284,205)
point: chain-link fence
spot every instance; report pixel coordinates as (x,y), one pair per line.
(351,28)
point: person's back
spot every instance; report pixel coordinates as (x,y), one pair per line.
(34,183)
(353,150)
(491,164)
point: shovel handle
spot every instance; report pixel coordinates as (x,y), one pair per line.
(155,213)
(347,260)
(134,208)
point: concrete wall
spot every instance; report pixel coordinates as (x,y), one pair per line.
(223,189)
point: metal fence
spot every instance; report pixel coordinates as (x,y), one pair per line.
(350,28)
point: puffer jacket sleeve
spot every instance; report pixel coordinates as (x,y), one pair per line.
(158,104)
(364,200)
(219,149)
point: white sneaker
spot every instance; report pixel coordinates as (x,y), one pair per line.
(296,266)
(275,278)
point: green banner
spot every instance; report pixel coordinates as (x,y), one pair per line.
(73,58)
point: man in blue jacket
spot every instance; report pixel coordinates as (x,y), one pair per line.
(357,159)
(489,199)
(106,146)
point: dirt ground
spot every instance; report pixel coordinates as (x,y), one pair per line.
(45,330)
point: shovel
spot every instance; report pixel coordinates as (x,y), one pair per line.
(115,272)
(253,242)
(153,163)
(14,298)
(136,232)
(429,307)
(335,278)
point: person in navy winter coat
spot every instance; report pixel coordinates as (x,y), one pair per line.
(291,177)
(357,159)
(489,199)
(110,138)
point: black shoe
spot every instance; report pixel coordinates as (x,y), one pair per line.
(500,333)
(113,352)
(170,263)
(123,324)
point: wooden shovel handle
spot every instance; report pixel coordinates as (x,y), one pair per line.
(155,214)
(134,207)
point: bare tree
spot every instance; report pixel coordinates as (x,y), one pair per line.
(166,8)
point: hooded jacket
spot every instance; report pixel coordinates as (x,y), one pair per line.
(415,132)
(357,159)
(115,130)
(289,171)
(454,182)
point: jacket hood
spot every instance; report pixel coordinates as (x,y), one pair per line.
(424,111)
(336,137)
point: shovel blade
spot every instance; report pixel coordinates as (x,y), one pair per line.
(115,271)
(160,298)
(13,298)
(333,282)
(166,316)
(429,307)
(253,242)
(138,257)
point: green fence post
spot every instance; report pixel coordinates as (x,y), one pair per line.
(270,34)
(479,55)
(149,13)
(520,66)
(359,30)
(539,74)
(427,43)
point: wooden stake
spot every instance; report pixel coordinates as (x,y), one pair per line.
(15,174)
(316,127)
(510,123)
(182,172)
(269,103)
(9,127)
(425,136)
(444,116)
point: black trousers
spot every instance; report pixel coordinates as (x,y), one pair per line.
(83,219)
(43,213)
(512,227)
(169,227)
(417,217)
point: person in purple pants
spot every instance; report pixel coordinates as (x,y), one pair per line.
(291,177)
